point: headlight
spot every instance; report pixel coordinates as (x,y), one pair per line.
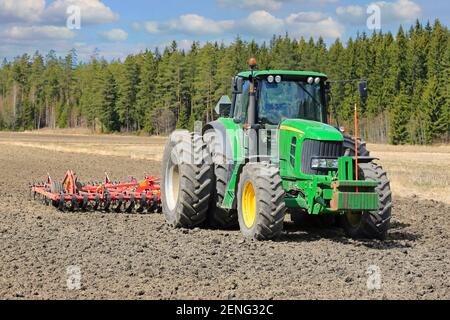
(270,79)
(278,79)
(324,164)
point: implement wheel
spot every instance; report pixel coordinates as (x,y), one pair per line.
(261,207)
(186,182)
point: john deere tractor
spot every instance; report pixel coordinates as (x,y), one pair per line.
(271,152)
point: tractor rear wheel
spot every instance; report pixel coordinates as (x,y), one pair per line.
(349,147)
(374,224)
(186,182)
(261,207)
(217,216)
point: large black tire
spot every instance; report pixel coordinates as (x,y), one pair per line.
(186,180)
(349,147)
(374,224)
(217,216)
(269,207)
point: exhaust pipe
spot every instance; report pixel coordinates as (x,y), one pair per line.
(253,134)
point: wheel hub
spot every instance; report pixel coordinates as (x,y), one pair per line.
(249,205)
(172,185)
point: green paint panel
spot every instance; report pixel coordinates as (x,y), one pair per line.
(356,201)
(353,183)
(313,130)
(345,168)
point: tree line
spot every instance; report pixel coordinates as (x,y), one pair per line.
(155,92)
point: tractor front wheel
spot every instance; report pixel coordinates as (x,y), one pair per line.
(261,207)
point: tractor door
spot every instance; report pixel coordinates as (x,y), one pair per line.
(241,104)
(240,115)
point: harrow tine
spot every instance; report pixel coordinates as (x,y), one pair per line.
(85,203)
(45,201)
(131,206)
(73,204)
(142,203)
(61,204)
(96,203)
(107,203)
(153,207)
(118,207)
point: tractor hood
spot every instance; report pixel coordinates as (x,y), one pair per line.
(312,130)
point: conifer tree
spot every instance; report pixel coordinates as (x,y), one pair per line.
(435,111)
(398,131)
(128,88)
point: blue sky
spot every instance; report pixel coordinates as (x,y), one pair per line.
(117,28)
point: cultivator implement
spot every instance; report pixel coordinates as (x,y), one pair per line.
(107,196)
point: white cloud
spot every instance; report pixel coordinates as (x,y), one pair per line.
(29,25)
(391,12)
(304,17)
(406,10)
(151,27)
(326,27)
(92,12)
(21,10)
(136,26)
(38,12)
(192,24)
(259,23)
(352,14)
(268,5)
(36,32)
(115,35)
(252,4)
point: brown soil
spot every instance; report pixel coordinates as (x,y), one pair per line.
(140,257)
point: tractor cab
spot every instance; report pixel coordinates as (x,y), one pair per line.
(280,95)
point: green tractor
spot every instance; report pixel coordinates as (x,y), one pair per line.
(271,152)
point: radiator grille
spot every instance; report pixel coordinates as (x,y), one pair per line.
(316,148)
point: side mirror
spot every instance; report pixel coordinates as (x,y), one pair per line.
(223,107)
(237,85)
(363,91)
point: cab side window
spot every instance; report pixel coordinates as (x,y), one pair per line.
(241,103)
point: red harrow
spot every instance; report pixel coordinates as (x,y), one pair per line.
(70,194)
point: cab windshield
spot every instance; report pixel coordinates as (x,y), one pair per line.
(290,100)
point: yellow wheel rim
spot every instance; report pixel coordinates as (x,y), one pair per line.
(249,205)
